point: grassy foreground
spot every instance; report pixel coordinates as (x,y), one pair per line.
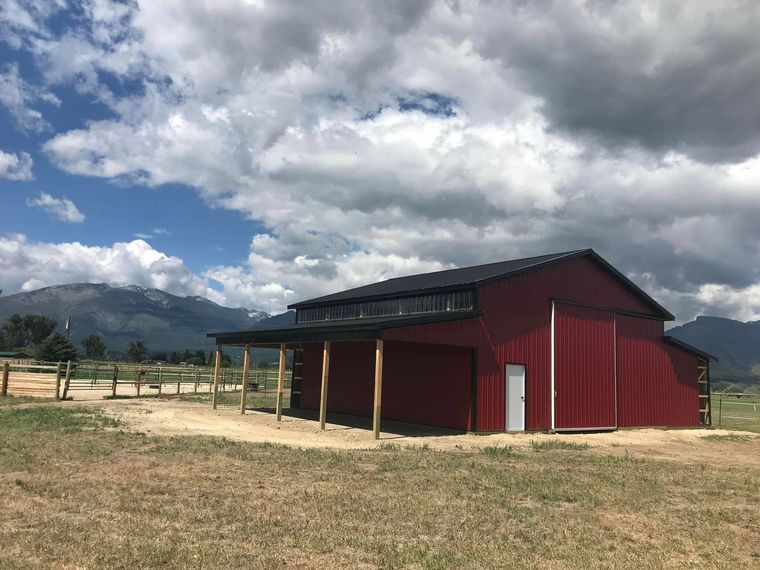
(75,491)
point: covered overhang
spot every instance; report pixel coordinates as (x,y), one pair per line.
(348,330)
(323,332)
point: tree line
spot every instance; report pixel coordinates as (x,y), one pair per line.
(34,334)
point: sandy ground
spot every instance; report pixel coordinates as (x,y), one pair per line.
(173,417)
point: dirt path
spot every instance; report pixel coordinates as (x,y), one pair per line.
(173,417)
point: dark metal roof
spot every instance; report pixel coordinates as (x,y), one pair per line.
(689,348)
(448,278)
(353,329)
(464,277)
(15,354)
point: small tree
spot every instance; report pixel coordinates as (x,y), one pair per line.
(136,351)
(198,359)
(38,328)
(56,348)
(21,332)
(94,347)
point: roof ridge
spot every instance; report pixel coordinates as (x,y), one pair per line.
(558,254)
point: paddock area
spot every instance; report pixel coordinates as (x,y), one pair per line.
(174,417)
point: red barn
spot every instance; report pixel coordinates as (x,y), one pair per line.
(558,342)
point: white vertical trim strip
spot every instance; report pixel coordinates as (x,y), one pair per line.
(552,367)
(614,351)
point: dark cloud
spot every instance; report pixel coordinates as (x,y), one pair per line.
(680,77)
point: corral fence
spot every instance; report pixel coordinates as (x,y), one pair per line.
(59,380)
(736,410)
(34,380)
(143,380)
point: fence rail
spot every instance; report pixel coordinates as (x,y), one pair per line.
(736,411)
(33,380)
(60,379)
(139,380)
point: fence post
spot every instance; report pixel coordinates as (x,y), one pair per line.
(115,379)
(720,410)
(6,373)
(138,379)
(58,382)
(160,378)
(179,380)
(197,374)
(67,382)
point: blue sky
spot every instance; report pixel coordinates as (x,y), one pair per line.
(259,153)
(115,211)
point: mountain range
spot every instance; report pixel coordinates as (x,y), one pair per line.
(123,314)
(169,322)
(735,343)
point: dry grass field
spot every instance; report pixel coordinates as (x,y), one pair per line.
(81,488)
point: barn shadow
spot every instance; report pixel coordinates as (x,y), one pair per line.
(391,429)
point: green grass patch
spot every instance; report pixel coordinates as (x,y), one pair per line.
(502,451)
(54,419)
(557,444)
(16,400)
(252,400)
(727,437)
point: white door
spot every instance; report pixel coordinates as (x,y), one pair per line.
(515,374)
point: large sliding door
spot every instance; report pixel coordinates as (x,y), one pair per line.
(584,368)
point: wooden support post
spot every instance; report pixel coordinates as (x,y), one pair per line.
(138,380)
(67,382)
(281,380)
(323,395)
(6,374)
(160,378)
(195,386)
(246,366)
(179,380)
(217,373)
(378,388)
(115,380)
(58,382)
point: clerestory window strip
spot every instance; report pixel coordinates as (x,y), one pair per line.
(402,306)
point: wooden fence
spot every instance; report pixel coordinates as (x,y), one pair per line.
(51,380)
(34,380)
(142,380)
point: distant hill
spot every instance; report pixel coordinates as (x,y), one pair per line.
(122,314)
(737,344)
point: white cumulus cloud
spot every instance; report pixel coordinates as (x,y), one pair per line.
(60,208)
(16,166)
(373,139)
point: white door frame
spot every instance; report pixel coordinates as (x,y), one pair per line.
(507,400)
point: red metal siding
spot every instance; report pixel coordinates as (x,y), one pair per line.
(515,328)
(657,382)
(584,368)
(427,384)
(422,383)
(350,385)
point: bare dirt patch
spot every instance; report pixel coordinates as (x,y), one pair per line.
(172,417)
